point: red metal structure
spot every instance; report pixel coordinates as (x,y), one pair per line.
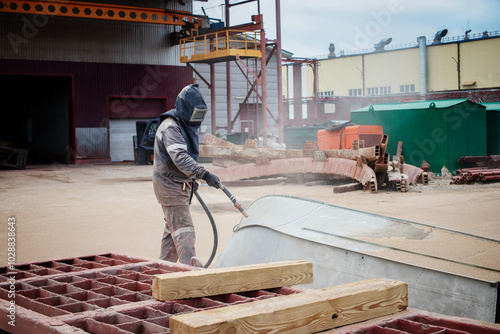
(256,78)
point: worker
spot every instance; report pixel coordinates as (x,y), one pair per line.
(175,169)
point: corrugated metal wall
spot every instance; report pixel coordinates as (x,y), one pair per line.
(111,59)
(91,142)
(239,89)
(95,83)
(105,59)
(44,37)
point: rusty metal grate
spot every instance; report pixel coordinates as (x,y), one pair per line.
(53,267)
(107,293)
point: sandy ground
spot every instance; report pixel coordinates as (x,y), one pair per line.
(65,211)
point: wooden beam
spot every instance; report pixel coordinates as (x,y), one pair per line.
(213,140)
(218,281)
(371,153)
(248,153)
(306,312)
(347,187)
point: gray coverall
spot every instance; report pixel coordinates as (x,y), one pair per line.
(174,170)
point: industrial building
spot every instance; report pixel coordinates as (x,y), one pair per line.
(73,86)
(454,67)
(75,78)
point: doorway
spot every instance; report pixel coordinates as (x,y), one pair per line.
(36,114)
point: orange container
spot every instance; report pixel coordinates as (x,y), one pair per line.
(342,139)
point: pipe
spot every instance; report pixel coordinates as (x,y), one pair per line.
(214,228)
(458,65)
(263,85)
(488,173)
(237,204)
(491,178)
(297,91)
(212,99)
(422,44)
(228,80)
(279,73)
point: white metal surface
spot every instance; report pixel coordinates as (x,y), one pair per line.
(285,228)
(121,132)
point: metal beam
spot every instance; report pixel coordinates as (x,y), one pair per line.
(201,76)
(279,73)
(101,11)
(253,86)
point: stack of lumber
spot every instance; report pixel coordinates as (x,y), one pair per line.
(309,311)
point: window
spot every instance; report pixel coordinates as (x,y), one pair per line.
(355,92)
(406,88)
(326,94)
(379,90)
(329,108)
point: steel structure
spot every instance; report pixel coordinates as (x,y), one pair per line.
(206,52)
(297,99)
(218,46)
(101,11)
(252,35)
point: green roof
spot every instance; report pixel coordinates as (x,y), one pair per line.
(492,106)
(438,104)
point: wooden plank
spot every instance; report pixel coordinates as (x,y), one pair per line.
(371,153)
(347,187)
(399,151)
(247,153)
(213,140)
(218,281)
(306,312)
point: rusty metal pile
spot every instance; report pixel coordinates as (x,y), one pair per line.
(483,169)
(370,166)
(476,175)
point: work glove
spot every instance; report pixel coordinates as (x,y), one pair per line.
(211,179)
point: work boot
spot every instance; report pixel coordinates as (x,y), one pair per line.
(195,262)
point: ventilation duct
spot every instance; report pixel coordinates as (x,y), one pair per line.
(380,45)
(423,64)
(440,34)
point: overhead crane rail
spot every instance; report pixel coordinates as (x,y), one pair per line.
(220,46)
(101,11)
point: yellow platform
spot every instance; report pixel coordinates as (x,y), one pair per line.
(219,47)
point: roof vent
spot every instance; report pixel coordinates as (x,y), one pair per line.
(380,45)
(440,34)
(331,48)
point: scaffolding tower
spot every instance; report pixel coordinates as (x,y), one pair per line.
(236,43)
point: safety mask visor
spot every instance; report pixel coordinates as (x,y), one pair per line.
(198,114)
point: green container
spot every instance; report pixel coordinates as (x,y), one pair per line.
(492,127)
(295,138)
(439,132)
(238,138)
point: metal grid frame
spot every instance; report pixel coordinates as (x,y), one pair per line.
(105,293)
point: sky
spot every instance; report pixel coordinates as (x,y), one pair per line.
(309,27)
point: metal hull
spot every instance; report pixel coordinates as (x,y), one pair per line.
(285,228)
